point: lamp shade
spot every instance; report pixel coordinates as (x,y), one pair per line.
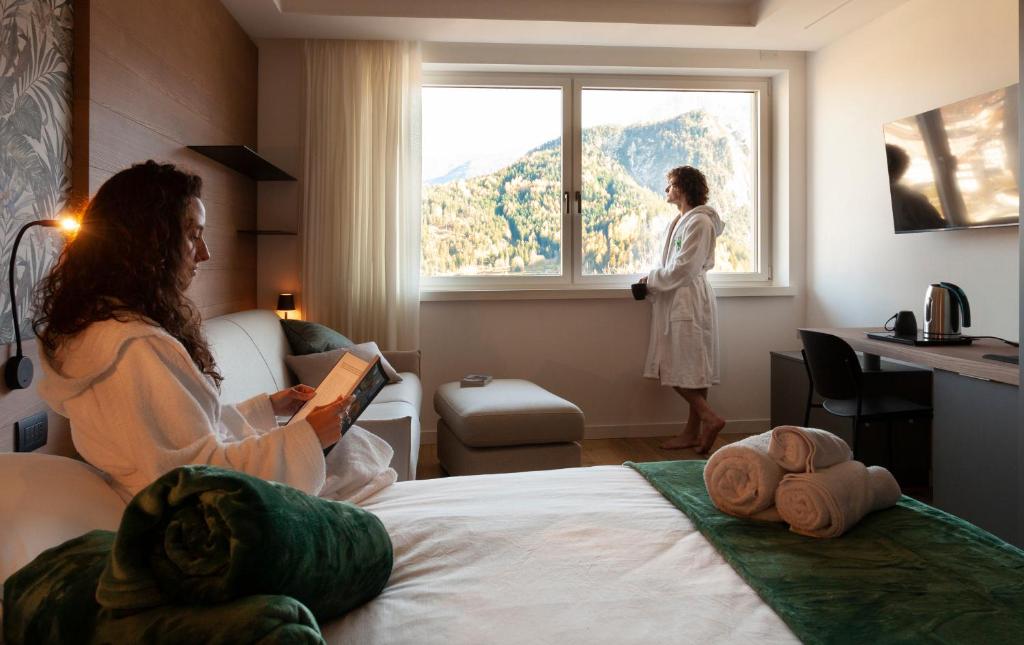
(286,302)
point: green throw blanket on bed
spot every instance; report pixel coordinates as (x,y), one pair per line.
(204,555)
(53,600)
(907,574)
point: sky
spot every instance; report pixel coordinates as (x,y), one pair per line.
(495,126)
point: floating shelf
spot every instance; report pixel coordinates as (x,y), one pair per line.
(244,160)
(254,231)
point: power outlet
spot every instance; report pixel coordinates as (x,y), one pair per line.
(30,433)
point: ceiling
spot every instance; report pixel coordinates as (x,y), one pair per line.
(804,25)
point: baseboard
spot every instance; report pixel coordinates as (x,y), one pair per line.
(665,429)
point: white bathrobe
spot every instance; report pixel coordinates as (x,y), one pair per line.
(683,350)
(139,407)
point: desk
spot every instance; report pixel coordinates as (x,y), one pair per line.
(974,430)
(965,360)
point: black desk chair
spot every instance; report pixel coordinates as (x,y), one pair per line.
(835,374)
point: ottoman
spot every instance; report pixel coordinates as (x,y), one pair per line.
(506,426)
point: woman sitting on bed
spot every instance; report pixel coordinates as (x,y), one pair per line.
(125,359)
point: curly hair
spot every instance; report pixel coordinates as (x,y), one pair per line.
(127,262)
(692,182)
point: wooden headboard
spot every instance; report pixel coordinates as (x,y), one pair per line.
(151,78)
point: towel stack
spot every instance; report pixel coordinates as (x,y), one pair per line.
(802,476)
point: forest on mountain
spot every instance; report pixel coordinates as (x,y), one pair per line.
(510,220)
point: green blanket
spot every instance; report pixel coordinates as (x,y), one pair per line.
(202,535)
(204,555)
(908,574)
(52,600)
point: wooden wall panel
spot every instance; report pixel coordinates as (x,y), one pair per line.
(162,76)
(80,103)
(150,78)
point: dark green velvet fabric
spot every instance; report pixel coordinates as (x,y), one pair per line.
(201,535)
(52,600)
(306,337)
(907,574)
(255,620)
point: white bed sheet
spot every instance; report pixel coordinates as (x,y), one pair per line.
(581,555)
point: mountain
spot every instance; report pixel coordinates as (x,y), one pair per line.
(473,168)
(509,220)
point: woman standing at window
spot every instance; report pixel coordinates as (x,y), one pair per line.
(683,351)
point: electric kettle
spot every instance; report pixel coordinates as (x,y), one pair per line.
(944,303)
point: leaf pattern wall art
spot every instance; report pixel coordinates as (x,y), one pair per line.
(35,142)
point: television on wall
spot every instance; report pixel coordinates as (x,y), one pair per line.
(955,166)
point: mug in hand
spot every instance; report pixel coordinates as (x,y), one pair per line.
(639,290)
(905,324)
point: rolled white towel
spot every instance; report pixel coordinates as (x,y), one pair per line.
(741,478)
(829,502)
(800,450)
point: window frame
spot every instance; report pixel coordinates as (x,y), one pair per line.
(513,81)
(572,86)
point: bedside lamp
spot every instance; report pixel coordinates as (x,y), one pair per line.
(286,303)
(18,370)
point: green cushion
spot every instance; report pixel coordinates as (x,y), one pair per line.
(306,337)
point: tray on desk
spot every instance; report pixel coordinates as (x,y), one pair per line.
(920,339)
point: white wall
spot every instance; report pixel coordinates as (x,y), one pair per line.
(922,55)
(1020,235)
(589,351)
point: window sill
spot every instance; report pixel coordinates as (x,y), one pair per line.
(588,293)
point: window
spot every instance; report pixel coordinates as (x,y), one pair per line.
(493,181)
(507,203)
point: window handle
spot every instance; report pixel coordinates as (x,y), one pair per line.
(579,203)
(565,202)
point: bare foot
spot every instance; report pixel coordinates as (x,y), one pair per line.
(680,441)
(709,432)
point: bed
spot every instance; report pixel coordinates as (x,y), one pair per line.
(580,555)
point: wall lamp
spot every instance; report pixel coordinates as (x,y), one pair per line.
(18,370)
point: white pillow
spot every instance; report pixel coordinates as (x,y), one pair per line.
(46,500)
(312,369)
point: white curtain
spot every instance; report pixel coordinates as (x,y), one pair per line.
(361,205)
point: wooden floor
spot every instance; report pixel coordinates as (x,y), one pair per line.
(596,452)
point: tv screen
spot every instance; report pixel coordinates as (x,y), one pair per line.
(955,166)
